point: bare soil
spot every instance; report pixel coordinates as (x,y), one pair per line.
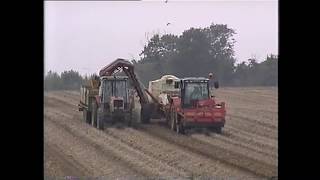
(247,147)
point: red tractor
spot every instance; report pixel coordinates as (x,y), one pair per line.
(194,107)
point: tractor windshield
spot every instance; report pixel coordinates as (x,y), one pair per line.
(114,88)
(195,91)
(120,89)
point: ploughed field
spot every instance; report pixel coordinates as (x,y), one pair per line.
(247,147)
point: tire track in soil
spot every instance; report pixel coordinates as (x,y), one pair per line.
(98,161)
(190,169)
(237,148)
(263,142)
(261,123)
(74,97)
(207,154)
(270,118)
(238,161)
(189,166)
(239,124)
(227,138)
(61,102)
(124,152)
(56,164)
(194,164)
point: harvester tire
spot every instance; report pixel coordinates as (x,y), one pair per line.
(84,113)
(100,123)
(173,120)
(218,130)
(145,114)
(87,116)
(130,119)
(94,114)
(179,126)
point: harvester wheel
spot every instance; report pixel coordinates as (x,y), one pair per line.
(173,118)
(87,116)
(179,126)
(84,112)
(219,130)
(100,123)
(167,114)
(129,118)
(94,114)
(146,110)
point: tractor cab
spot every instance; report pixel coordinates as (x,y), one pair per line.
(113,93)
(194,91)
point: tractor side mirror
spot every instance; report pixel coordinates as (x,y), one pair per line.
(216,84)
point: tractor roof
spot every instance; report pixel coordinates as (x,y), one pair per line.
(114,77)
(195,79)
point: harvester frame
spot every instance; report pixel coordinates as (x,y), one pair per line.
(200,113)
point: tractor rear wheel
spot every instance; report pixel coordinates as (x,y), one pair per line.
(94,114)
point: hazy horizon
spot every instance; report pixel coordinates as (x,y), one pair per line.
(85,36)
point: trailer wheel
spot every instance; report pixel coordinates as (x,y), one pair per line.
(94,114)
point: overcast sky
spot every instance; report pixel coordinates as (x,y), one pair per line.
(85,36)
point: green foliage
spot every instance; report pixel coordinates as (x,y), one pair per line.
(199,51)
(257,74)
(52,81)
(195,53)
(67,80)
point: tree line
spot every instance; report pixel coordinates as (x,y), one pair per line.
(67,80)
(199,51)
(195,53)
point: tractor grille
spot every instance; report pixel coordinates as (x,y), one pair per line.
(118,103)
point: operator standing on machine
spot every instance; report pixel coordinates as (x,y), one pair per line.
(211,84)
